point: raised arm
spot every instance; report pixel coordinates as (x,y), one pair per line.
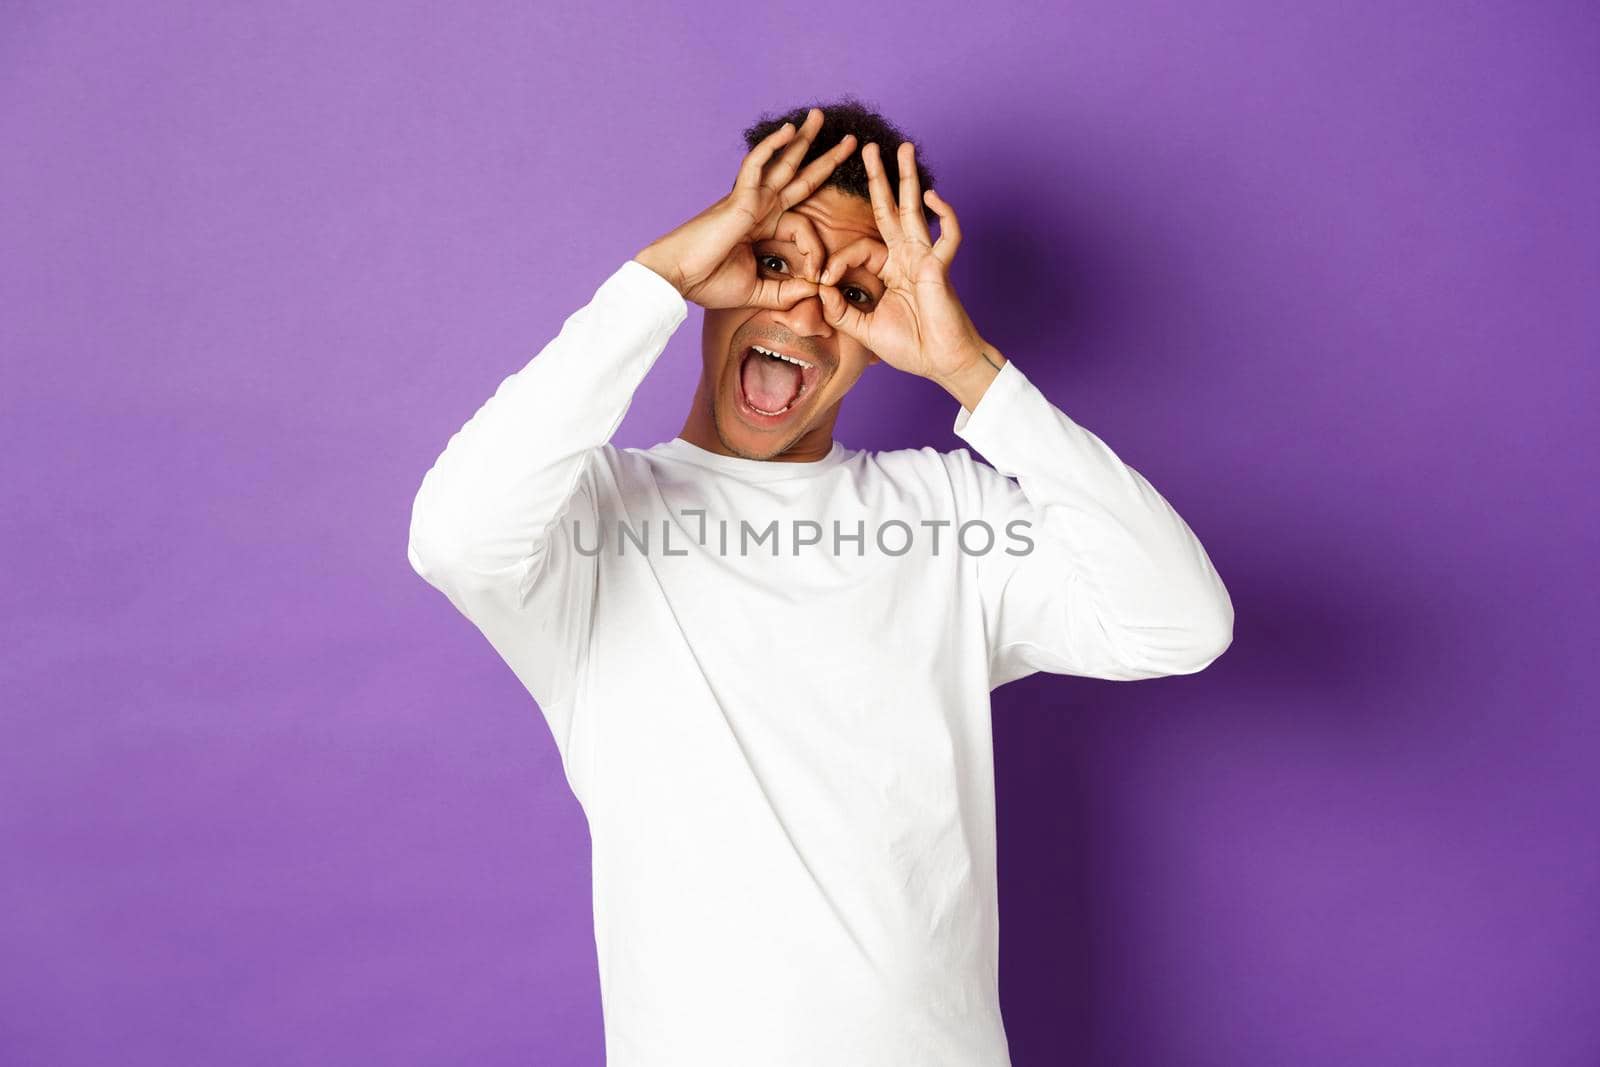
(486,525)
(492,524)
(1115,584)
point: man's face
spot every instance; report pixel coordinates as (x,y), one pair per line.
(764,407)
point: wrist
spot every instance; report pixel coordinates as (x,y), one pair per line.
(971,379)
(662,264)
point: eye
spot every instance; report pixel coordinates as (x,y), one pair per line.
(861,299)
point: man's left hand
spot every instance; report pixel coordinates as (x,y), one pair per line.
(918,325)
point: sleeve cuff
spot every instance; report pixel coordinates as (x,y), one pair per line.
(639,286)
(1008,384)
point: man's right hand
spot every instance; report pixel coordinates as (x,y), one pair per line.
(711,258)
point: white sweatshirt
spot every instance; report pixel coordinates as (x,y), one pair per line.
(784,759)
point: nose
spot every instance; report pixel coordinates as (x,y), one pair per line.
(805,318)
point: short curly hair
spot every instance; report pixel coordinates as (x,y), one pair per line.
(845,115)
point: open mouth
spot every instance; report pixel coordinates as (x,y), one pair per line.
(773,383)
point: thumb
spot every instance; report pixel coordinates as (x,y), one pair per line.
(838,313)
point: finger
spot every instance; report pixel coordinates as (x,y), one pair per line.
(949,228)
(842,315)
(882,197)
(911,218)
(782,169)
(811,179)
(754,160)
(781,293)
(799,231)
(863,252)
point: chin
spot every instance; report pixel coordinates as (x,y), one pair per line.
(743,441)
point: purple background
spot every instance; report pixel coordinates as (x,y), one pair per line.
(1326,275)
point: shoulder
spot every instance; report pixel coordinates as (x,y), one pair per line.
(955,472)
(927,460)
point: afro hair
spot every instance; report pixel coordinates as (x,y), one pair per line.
(849,115)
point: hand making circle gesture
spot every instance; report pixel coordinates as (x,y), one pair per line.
(918,326)
(711,258)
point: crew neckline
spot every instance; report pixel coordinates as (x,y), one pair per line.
(752,470)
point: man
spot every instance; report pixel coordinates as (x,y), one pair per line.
(766,657)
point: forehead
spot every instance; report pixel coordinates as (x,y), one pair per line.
(838,216)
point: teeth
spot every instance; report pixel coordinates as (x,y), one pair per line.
(780,355)
(786,359)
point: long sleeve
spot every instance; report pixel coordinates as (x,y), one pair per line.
(491,526)
(1116,585)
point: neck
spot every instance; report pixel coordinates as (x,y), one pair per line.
(700,429)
